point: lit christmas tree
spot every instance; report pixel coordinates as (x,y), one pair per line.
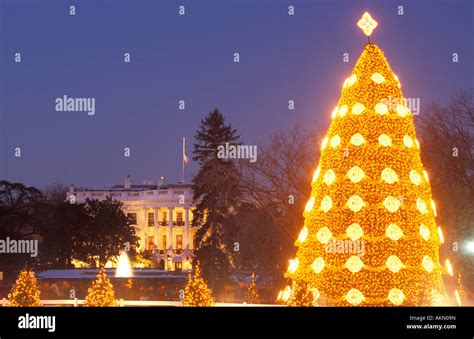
(196,292)
(252,296)
(25,292)
(101,293)
(370,235)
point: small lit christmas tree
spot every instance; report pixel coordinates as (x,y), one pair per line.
(252,296)
(301,295)
(196,292)
(25,292)
(370,235)
(101,293)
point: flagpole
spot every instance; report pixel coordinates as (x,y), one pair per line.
(182,174)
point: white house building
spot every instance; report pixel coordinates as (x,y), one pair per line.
(162,215)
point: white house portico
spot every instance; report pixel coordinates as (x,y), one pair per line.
(162,215)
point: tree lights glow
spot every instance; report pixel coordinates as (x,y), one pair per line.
(377,193)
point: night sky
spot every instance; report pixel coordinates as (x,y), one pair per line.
(190,57)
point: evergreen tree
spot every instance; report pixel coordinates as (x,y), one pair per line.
(252,296)
(25,292)
(101,293)
(196,292)
(216,194)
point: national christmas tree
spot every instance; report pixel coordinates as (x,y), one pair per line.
(25,292)
(101,293)
(196,292)
(370,236)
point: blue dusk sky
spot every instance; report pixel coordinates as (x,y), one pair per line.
(190,57)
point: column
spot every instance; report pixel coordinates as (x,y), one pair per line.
(145,229)
(155,231)
(170,229)
(186,228)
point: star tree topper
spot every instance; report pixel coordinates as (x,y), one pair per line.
(367,24)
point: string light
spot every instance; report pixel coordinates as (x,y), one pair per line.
(309,205)
(316,174)
(329,177)
(385,140)
(433,206)
(323,235)
(396,296)
(389,175)
(293,265)
(326,203)
(408,141)
(415,177)
(357,139)
(381,108)
(421,205)
(303,234)
(440,235)
(354,296)
(458,298)
(334,113)
(358,108)
(324,143)
(356,174)
(318,265)
(354,232)
(391,204)
(355,203)
(402,110)
(377,78)
(394,232)
(394,264)
(428,263)
(425,232)
(335,141)
(354,264)
(342,110)
(449,267)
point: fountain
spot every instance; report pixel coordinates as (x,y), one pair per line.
(124,269)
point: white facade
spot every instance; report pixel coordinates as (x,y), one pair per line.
(162,214)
